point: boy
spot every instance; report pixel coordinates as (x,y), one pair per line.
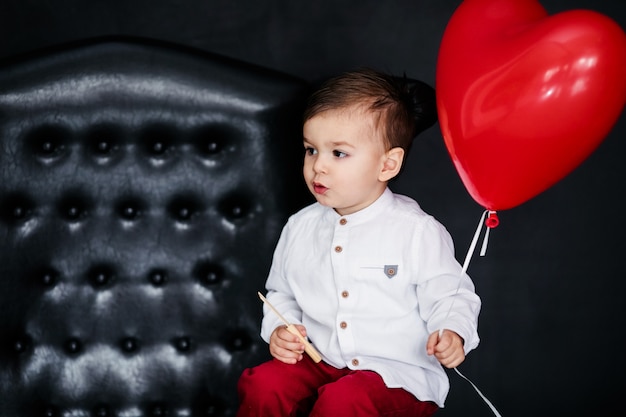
(364,273)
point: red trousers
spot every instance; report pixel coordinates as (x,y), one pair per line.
(276,389)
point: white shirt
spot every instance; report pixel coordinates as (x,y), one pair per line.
(370,287)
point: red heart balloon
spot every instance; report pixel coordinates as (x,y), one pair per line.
(523,98)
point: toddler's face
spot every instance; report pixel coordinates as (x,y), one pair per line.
(343,158)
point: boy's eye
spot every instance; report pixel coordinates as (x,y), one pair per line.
(340,154)
(309,151)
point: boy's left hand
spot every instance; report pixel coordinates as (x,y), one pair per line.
(448,349)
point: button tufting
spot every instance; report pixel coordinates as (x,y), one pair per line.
(103,147)
(209,274)
(237,340)
(158,148)
(184,208)
(73,213)
(158,410)
(73,207)
(237,343)
(213,410)
(49,277)
(101,275)
(235,207)
(73,345)
(184,213)
(182,344)
(100,272)
(19,212)
(157,277)
(100,278)
(236,211)
(47,147)
(103,142)
(50,411)
(22,344)
(209,406)
(212,139)
(101,411)
(129,209)
(129,213)
(130,344)
(212,147)
(47,141)
(16,207)
(158,140)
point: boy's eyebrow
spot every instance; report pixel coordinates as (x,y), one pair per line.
(339,143)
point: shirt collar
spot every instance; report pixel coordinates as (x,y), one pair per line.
(381,205)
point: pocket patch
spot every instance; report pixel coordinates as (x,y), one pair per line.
(391,270)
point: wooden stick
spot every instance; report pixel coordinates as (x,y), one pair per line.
(308,347)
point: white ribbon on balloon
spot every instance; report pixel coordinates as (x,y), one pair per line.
(466,262)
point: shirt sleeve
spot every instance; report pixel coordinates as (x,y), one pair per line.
(446,298)
(279,293)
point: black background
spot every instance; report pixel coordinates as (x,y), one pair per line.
(552,283)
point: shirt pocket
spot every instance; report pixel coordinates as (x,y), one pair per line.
(386,276)
(389,270)
(385,286)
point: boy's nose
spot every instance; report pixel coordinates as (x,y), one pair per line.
(319,165)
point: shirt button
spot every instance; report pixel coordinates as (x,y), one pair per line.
(355,362)
(343,222)
(345,294)
(338,249)
(343,324)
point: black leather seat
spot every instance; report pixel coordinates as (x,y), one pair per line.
(142,190)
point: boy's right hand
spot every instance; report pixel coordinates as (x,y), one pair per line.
(286,347)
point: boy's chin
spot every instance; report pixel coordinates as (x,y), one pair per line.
(322,199)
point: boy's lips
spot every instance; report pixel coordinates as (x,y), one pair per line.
(319,188)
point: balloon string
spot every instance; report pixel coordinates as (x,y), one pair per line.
(491,222)
(468,257)
(466,262)
(483,248)
(485,399)
(472,247)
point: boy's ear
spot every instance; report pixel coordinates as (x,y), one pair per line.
(392,163)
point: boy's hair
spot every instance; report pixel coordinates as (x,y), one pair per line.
(403,108)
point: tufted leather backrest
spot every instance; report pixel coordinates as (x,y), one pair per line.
(142,190)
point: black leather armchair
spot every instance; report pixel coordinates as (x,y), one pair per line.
(142,189)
